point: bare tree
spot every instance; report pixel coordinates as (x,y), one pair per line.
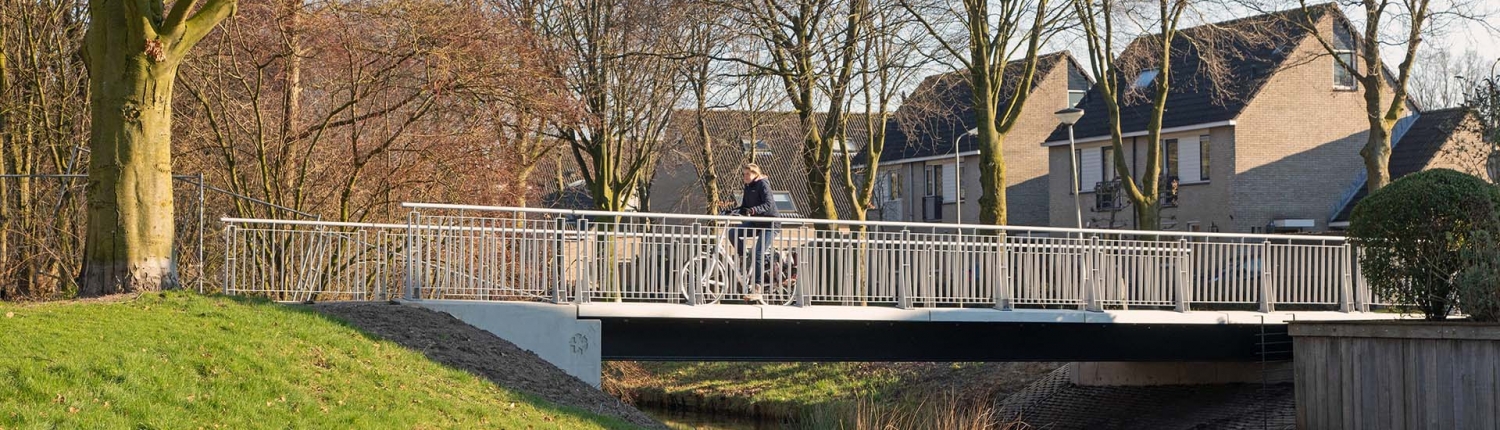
(612,57)
(706,30)
(1101,23)
(1438,77)
(809,46)
(983,45)
(43,117)
(887,65)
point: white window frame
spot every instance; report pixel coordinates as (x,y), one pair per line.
(1205,157)
(934,184)
(791,203)
(1070,103)
(1339,66)
(1144,79)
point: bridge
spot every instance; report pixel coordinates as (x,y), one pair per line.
(580,286)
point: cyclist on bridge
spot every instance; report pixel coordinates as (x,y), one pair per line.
(757,201)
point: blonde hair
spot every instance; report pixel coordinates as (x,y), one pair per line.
(754,170)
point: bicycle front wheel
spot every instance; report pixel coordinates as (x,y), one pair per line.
(704,278)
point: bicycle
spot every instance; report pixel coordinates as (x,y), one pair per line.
(717,271)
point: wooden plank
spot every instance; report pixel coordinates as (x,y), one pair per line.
(1410,369)
(1393,415)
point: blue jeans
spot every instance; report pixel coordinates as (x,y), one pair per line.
(764,238)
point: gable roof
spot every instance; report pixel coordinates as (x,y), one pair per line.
(1416,150)
(940,109)
(780,137)
(1250,51)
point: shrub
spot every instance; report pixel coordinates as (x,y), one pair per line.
(1412,232)
(1479,282)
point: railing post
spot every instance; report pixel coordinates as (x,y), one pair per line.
(801,285)
(1346,279)
(1362,295)
(586,263)
(695,276)
(1184,275)
(411,252)
(1002,291)
(903,288)
(229,259)
(1090,275)
(560,262)
(1267,303)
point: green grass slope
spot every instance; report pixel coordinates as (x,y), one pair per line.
(179,360)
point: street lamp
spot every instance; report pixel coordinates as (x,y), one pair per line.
(1069,117)
(958,177)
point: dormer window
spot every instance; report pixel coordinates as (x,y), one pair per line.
(1075,97)
(840,147)
(1144,79)
(759,146)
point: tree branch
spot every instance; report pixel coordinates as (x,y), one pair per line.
(200,24)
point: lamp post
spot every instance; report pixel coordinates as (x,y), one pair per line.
(958,177)
(1069,117)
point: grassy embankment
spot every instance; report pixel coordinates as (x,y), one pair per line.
(179,360)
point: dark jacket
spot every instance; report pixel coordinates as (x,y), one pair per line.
(758,202)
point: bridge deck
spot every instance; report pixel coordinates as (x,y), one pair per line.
(877,313)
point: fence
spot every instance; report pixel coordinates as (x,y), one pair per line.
(42,225)
(503,253)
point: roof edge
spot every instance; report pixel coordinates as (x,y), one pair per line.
(1227,123)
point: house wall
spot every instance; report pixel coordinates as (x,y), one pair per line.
(1465,151)
(1026,175)
(1298,143)
(1204,203)
(1292,153)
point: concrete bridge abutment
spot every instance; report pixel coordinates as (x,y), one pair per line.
(552,332)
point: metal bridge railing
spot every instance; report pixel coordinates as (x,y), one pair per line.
(505,253)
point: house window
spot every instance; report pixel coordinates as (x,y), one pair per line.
(1091,168)
(942,181)
(1144,79)
(784,202)
(1169,150)
(840,147)
(888,188)
(934,180)
(1343,77)
(1075,97)
(760,147)
(1204,142)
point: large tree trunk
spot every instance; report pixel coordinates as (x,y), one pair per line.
(991,155)
(1148,213)
(130,172)
(1377,149)
(132,57)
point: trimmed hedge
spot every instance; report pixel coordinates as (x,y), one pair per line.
(1413,234)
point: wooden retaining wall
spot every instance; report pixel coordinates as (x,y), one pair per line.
(1397,375)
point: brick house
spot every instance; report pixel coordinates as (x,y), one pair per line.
(917,170)
(1439,139)
(1271,146)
